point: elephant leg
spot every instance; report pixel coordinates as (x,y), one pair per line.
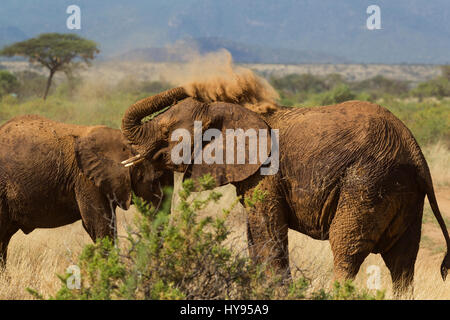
(267,229)
(7,230)
(353,233)
(346,265)
(268,239)
(400,260)
(97,211)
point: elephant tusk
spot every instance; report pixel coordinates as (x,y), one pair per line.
(134,163)
(132,159)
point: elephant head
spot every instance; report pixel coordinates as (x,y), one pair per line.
(99,153)
(159,138)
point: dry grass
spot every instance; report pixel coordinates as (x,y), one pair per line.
(438,158)
(316,260)
(34,259)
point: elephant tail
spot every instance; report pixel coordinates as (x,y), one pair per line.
(434,206)
(425,176)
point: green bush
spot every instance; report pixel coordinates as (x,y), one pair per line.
(8,83)
(428,121)
(297,88)
(295,83)
(182,257)
(378,86)
(338,94)
(439,88)
(32,84)
(347,291)
(446,71)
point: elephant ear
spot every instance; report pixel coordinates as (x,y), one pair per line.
(98,154)
(225,117)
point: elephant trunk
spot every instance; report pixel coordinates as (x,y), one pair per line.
(132,127)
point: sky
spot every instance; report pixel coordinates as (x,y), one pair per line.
(403,31)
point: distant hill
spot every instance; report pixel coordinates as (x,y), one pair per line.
(412,31)
(10,34)
(241,53)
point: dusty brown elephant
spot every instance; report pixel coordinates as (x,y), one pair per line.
(351,173)
(53,174)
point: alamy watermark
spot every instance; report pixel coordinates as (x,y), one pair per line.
(74,280)
(73,22)
(212,153)
(374,280)
(374,20)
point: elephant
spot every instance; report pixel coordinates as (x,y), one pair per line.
(351,173)
(53,174)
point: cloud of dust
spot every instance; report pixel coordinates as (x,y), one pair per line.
(213,77)
(207,77)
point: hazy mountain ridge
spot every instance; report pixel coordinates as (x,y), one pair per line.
(241,53)
(9,34)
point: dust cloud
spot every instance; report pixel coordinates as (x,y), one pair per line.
(214,77)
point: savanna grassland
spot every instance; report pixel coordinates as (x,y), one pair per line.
(424,106)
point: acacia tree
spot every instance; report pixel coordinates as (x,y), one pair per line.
(55,51)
